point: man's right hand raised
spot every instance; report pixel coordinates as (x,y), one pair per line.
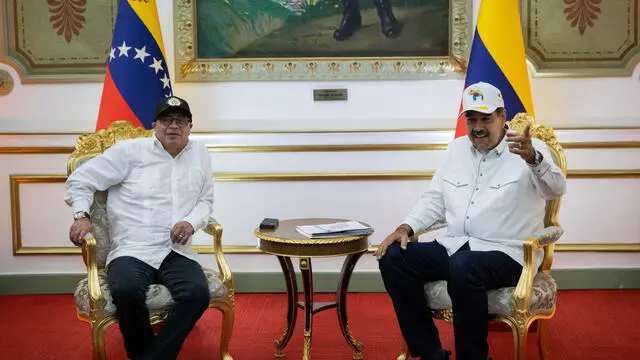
(79,229)
(401,235)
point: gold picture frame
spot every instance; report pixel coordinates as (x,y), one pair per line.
(190,67)
(57,41)
(581,38)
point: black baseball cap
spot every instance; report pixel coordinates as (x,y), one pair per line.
(173,103)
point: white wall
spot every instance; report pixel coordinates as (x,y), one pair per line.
(574,102)
(596,210)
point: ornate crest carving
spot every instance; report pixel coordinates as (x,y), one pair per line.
(67,18)
(95,143)
(582,13)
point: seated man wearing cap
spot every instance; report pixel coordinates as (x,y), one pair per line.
(160,192)
(490,199)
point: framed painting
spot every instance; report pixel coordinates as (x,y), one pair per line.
(57,40)
(288,40)
(581,37)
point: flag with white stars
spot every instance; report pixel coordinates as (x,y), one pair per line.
(137,76)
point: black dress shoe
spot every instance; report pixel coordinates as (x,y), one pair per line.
(441,355)
(351,20)
(388,23)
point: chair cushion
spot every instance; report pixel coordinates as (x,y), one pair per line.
(158,296)
(543,296)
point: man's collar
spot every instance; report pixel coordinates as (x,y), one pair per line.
(157,142)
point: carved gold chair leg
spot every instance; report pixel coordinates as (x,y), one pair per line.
(404,352)
(520,342)
(227,329)
(543,337)
(97,335)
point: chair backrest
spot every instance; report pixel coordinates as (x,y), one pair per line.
(548,135)
(88,146)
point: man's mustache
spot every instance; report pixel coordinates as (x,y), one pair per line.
(479,132)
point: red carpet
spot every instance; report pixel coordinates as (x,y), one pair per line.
(589,325)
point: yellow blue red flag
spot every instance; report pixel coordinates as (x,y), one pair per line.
(498,57)
(137,76)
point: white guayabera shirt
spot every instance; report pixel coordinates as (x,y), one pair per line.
(493,200)
(149,191)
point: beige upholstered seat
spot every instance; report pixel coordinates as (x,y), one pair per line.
(543,296)
(534,297)
(93,299)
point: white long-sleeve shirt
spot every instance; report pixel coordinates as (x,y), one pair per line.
(149,191)
(492,200)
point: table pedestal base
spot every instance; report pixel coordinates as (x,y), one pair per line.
(310,307)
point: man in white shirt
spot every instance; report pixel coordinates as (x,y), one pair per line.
(491,199)
(160,191)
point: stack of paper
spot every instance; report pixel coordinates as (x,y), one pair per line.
(337,229)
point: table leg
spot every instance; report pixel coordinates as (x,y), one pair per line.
(343,286)
(307,283)
(292,309)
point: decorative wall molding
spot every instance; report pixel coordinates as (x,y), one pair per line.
(260,142)
(324,148)
(582,38)
(345,131)
(52,42)
(36,150)
(16,225)
(19,249)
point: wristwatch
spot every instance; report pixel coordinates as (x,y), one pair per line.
(537,160)
(80,215)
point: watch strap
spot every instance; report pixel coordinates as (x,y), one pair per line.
(81,215)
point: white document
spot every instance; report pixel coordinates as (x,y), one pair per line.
(337,229)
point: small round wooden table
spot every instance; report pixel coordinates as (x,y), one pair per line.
(285,242)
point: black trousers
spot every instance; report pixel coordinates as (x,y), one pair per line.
(129,280)
(469,275)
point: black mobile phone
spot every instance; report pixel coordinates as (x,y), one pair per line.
(269,223)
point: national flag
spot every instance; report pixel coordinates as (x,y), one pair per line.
(137,76)
(498,57)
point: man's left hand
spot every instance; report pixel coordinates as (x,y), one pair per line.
(521,144)
(181,232)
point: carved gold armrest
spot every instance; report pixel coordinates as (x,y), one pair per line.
(96,297)
(436,226)
(546,240)
(214,229)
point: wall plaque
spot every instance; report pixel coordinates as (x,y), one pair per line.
(329,94)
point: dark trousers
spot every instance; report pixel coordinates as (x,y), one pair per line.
(469,275)
(129,280)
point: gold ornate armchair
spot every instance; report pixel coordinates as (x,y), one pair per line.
(534,297)
(93,300)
